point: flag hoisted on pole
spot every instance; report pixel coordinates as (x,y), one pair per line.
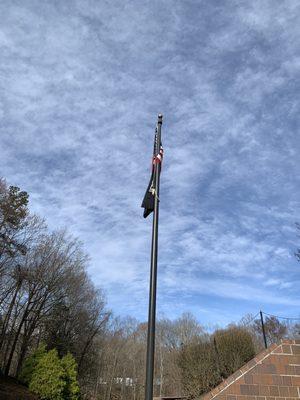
(151,204)
(149,198)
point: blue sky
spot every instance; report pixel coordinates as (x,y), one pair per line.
(82,83)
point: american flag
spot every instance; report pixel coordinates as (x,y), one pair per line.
(148,201)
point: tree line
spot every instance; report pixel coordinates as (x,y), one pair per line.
(46,295)
(189,359)
(47,301)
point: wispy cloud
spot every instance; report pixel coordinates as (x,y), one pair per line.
(81,85)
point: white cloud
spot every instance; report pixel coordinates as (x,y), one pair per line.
(81,89)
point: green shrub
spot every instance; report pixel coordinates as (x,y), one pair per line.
(69,365)
(30,364)
(48,378)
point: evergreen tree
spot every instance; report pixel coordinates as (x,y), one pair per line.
(69,365)
(48,379)
(31,363)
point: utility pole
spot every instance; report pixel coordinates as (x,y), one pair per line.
(263,329)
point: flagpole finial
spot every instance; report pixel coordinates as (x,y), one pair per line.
(160,117)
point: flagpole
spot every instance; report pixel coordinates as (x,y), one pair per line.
(153,275)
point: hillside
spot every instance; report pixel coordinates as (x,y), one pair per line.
(11,389)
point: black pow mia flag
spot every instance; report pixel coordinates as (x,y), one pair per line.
(148,201)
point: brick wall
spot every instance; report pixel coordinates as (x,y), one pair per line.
(272,375)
